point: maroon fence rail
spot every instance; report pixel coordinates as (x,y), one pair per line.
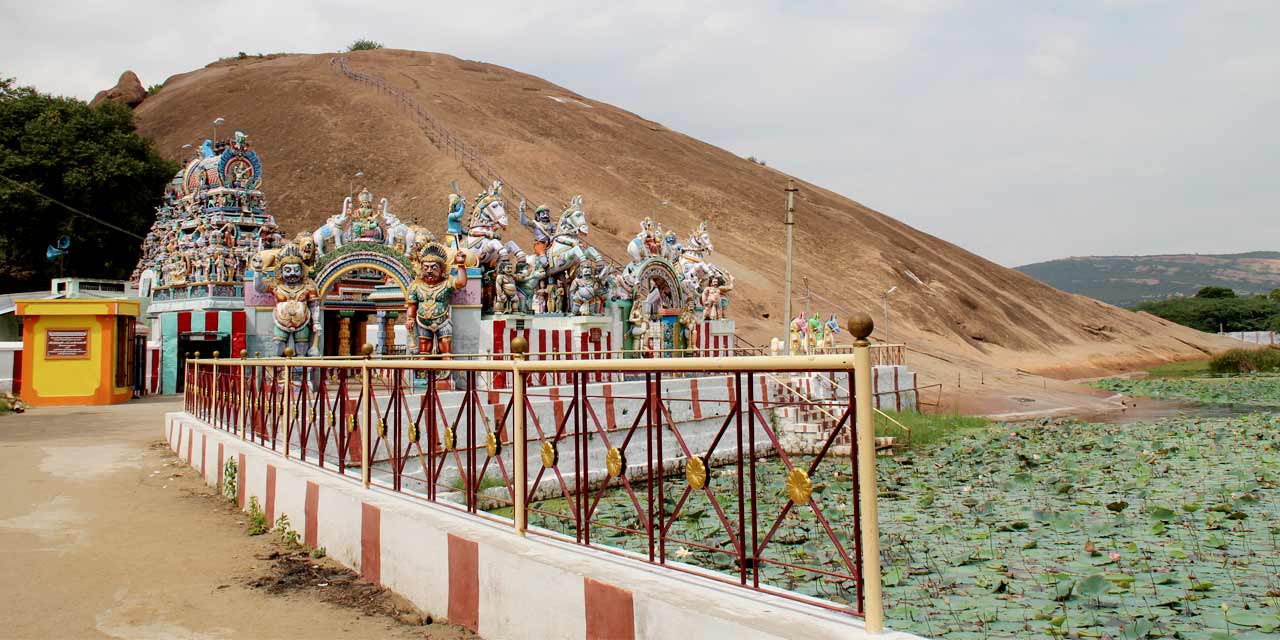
(694,473)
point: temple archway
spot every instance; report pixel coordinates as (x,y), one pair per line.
(362,299)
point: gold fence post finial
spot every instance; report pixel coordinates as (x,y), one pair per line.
(520,454)
(860,326)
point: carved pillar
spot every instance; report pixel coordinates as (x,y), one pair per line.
(390,323)
(344,335)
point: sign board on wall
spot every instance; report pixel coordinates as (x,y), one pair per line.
(66,344)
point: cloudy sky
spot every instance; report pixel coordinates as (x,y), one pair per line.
(1023,131)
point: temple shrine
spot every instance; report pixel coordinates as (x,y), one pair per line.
(222,277)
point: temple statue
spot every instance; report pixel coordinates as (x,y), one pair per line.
(430,297)
(540,225)
(296,314)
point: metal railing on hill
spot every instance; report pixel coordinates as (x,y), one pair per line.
(475,164)
(688,474)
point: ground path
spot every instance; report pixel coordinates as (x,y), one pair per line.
(103,533)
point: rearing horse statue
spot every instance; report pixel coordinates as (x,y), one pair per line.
(484,229)
(566,250)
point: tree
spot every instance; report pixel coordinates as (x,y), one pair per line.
(90,159)
(364,44)
(1215,292)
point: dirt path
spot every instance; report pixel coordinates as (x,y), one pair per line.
(103,534)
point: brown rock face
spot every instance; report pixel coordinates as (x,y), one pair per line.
(980,328)
(128,91)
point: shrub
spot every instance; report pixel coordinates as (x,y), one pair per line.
(364,44)
(154,89)
(1246,361)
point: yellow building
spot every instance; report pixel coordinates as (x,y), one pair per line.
(77,351)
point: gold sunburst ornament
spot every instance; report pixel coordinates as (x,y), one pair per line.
(799,487)
(351,424)
(382,427)
(695,472)
(615,462)
(413,432)
(493,445)
(550,454)
(450,438)
(331,420)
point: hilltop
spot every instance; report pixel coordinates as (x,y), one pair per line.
(315,128)
(1127,280)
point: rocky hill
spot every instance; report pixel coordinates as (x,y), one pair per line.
(1127,280)
(315,128)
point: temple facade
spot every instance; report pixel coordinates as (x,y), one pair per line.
(222,277)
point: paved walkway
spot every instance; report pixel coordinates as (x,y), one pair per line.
(103,534)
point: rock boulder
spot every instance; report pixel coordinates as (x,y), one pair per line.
(128,91)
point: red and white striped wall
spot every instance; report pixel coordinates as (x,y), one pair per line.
(480,574)
(548,341)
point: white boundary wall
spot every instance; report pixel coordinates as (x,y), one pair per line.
(479,574)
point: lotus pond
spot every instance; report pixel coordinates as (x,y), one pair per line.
(1258,390)
(1159,529)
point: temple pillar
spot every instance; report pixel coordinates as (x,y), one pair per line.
(389,331)
(344,334)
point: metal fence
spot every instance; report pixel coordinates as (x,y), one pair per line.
(686,470)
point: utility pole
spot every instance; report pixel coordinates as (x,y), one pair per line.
(790,224)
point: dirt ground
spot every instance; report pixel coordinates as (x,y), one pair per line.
(104,534)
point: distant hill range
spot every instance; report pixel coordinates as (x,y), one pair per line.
(1127,280)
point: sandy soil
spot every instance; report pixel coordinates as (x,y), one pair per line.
(104,534)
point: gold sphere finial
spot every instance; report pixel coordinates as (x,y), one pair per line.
(257,354)
(289,352)
(197,355)
(244,353)
(366,350)
(519,346)
(861,325)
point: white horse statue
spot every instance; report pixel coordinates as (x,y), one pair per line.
(566,250)
(647,242)
(484,230)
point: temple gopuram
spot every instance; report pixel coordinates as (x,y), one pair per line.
(222,277)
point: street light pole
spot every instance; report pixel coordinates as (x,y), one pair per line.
(786,304)
(217,121)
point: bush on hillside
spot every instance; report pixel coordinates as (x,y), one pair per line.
(364,44)
(1246,361)
(1215,292)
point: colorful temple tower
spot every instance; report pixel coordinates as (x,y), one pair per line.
(194,259)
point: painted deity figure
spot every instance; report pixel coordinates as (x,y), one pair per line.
(506,295)
(833,328)
(540,225)
(712,296)
(689,326)
(430,297)
(540,298)
(585,294)
(296,315)
(556,300)
(639,321)
(815,333)
(457,208)
(798,330)
(528,277)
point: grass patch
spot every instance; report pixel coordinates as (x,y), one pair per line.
(487,482)
(1187,369)
(1246,361)
(927,428)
